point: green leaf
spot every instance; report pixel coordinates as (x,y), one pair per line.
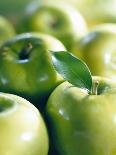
(72,69)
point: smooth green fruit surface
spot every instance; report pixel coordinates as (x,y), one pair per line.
(22,129)
(102,12)
(82,123)
(98,50)
(6,30)
(26,68)
(57,19)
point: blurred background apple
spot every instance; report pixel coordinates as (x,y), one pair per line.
(6,29)
(57,19)
(95,12)
(98,50)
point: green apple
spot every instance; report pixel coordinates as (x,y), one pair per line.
(6,29)
(57,19)
(96,13)
(81,112)
(22,128)
(83,123)
(26,68)
(102,11)
(98,50)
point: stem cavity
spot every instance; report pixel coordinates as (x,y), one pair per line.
(25,52)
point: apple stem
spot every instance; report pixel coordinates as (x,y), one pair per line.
(54,23)
(24,54)
(95,88)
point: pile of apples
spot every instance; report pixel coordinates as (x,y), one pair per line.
(57,77)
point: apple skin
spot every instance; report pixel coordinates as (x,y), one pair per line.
(6,29)
(103,12)
(98,50)
(30,75)
(82,123)
(94,13)
(64,23)
(22,128)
